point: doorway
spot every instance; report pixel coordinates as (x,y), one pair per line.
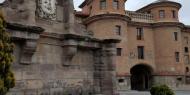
(141,77)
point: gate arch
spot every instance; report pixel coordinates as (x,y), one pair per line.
(141,77)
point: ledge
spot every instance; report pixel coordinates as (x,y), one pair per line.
(106,16)
(87,38)
(161,24)
(79,37)
(20,27)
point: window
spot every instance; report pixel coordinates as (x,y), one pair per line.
(173,13)
(186,39)
(148,12)
(187,69)
(115,4)
(187,79)
(177,56)
(119,51)
(140,33)
(102,4)
(186,49)
(175,36)
(121,80)
(140,52)
(186,59)
(162,14)
(118,29)
(90,9)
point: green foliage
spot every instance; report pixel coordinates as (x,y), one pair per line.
(161,90)
(7,80)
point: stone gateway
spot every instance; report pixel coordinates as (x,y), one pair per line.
(100,50)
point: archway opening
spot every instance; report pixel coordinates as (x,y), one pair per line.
(141,77)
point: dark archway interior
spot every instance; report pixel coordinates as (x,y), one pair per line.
(141,77)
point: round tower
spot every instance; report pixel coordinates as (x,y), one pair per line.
(163,10)
(106,18)
(167,41)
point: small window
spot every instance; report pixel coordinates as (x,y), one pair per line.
(102,4)
(179,78)
(140,33)
(115,4)
(175,36)
(187,79)
(121,80)
(119,51)
(177,56)
(186,59)
(186,39)
(187,69)
(148,12)
(173,13)
(162,14)
(118,29)
(140,52)
(90,9)
(186,49)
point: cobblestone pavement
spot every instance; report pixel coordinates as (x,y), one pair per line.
(147,93)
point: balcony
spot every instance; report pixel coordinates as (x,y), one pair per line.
(140,17)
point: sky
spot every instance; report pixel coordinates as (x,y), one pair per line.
(133,5)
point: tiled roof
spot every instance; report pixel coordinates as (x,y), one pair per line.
(161,1)
(84,3)
(187,26)
(157,1)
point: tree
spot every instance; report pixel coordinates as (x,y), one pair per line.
(7,79)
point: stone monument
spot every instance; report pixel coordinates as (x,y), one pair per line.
(53,53)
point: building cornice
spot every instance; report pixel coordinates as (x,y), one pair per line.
(21,27)
(168,24)
(77,37)
(160,4)
(161,24)
(132,23)
(106,16)
(186,29)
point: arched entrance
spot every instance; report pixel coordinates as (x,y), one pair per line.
(141,77)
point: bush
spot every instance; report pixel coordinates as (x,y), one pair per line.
(161,90)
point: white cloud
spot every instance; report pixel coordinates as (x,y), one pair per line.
(2,1)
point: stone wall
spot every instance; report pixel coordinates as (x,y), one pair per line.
(175,82)
(49,76)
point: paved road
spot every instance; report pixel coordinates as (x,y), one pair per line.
(147,93)
(183,93)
